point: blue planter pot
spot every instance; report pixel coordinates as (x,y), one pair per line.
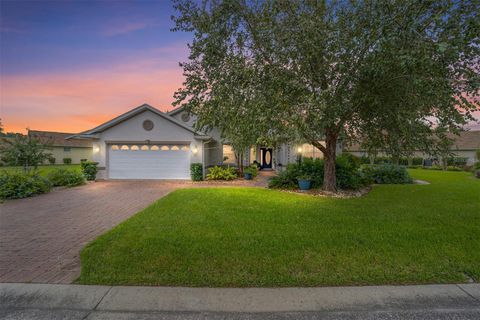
(304,184)
(248,176)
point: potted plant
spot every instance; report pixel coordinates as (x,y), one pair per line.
(248,173)
(304,182)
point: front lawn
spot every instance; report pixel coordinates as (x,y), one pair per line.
(44,170)
(245,237)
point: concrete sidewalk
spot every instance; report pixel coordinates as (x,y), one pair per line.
(37,301)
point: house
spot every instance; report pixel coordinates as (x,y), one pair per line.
(146,143)
(465,145)
(61,148)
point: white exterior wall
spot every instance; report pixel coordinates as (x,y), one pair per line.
(132,130)
(213,148)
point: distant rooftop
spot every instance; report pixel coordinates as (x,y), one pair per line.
(58,139)
(466,140)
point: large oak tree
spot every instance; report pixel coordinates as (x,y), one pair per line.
(389,73)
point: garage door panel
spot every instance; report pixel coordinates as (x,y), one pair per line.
(149,164)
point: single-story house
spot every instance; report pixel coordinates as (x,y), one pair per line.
(146,143)
(61,148)
(465,145)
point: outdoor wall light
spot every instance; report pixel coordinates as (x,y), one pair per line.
(96,149)
(299,150)
(194,149)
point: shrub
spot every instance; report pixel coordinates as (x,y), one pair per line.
(457,161)
(67,160)
(386,174)
(219,173)
(310,167)
(452,168)
(364,160)
(89,170)
(417,161)
(286,179)
(304,177)
(65,178)
(15,185)
(403,161)
(196,171)
(51,160)
(252,170)
(382,160)
(347,173)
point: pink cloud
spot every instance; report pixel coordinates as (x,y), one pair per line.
(78,101)
(117,28)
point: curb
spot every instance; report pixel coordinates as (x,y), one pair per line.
(255,300)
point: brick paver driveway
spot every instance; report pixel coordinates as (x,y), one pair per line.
(41,237)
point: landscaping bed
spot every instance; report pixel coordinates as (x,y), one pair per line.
(250,237)
(16,183)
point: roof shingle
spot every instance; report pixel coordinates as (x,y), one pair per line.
(58,139)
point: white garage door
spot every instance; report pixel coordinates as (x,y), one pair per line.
(136,161)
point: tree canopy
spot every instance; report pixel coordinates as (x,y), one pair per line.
(22,150)
(387,73)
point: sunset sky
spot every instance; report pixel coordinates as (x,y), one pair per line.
(69,66)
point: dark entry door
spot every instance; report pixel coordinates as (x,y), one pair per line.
(266,158)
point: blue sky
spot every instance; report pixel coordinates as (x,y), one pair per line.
(49,48)
(71,65)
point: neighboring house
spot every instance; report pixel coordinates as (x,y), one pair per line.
(145,143)
(464,145)
(62,148)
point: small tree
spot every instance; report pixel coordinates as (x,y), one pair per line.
(23,151)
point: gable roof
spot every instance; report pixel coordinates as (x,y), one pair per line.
(175,111)
(134,112)
(466,140)
(58,139)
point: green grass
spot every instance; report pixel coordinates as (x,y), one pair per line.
(245,237)
(44,170)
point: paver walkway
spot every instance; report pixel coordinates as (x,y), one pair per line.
(41,237)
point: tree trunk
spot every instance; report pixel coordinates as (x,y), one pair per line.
(239,157)
(329,177)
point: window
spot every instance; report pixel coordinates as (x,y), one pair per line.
(144,148)
(134,148)
(154,148)
(67,149)
(175,148)
(147,125)
(185,148)
(124,147)
(114,147)
(228,154)
(164,148)
(309,151)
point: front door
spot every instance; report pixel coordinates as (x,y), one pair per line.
(266,158)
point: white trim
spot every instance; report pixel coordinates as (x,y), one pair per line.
(134,112)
